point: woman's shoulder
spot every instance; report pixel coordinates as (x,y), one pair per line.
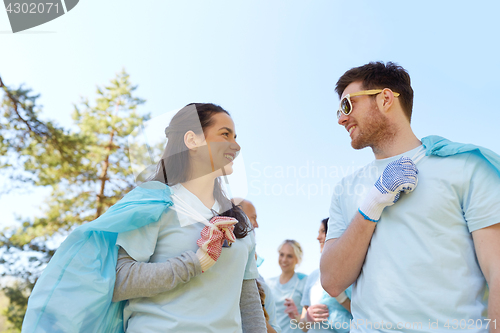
(301,276)
(153,185)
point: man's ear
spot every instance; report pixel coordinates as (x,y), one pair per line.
(191,140)
(386,99)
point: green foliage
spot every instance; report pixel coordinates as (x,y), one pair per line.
(88,170)
(31,149)
(18,301)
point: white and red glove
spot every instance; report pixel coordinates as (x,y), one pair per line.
(212,238)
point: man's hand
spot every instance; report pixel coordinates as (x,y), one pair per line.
(317,313)
(398,176)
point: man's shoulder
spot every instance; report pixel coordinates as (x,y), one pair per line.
(360,172)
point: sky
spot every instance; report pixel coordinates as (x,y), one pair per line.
(273,65)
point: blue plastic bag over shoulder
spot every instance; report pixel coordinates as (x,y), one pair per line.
(75,290)
(439,146)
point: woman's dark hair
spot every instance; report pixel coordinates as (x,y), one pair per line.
(325,224)
(174,166)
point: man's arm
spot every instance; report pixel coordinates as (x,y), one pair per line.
(343,257)
(488,254)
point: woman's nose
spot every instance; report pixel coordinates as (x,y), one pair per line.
(235,146)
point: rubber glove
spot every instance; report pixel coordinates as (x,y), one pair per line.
(212,238)
(398,176)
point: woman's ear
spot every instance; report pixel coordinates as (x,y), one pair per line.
(192,141)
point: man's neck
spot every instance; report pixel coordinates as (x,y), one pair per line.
(401,142)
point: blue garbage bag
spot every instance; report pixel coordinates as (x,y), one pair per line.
(74,292)
(439,146)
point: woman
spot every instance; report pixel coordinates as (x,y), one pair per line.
(288,286)
(172,274)
(320,312)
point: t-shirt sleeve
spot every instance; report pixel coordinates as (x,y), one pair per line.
(481,200)
(348,292)
(301,287)
(306,294)
(251,267)
(336,224)
(140,243)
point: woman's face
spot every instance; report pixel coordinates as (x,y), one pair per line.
(287,258)
(219,148)
(321,237)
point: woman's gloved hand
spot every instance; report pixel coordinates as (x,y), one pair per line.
(212,238)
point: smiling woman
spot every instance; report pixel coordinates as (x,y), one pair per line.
(287,288)
(177,253)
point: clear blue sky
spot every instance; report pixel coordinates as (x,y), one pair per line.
(273,65)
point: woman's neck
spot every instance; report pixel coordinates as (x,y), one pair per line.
(286,276)
(203,188)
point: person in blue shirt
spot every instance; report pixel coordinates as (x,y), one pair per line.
(288,286)
(320,311)
(265,293)
(416,230)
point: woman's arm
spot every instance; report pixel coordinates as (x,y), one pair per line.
(140,279)
(252,315)
(270,329)
(303,319)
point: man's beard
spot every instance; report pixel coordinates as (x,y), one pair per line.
(376,131)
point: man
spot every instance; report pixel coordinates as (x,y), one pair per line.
(249,209)
(269,305)
(417,236)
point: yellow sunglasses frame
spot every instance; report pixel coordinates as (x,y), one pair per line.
(359,93)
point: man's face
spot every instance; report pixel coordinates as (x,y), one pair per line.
(249,210)
(366,124)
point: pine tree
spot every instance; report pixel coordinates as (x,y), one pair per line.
(87,170)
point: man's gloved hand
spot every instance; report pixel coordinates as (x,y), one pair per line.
(211,240)
(398,176)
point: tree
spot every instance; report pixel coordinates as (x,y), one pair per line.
(23,138)
(88,170)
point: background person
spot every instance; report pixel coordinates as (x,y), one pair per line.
(414,252)
(320,307)
(288,286)
(267,297)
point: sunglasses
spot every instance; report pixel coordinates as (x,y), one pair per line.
(345,106)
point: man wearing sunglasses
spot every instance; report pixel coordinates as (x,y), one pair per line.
(423,239)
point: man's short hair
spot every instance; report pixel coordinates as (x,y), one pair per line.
(377,75)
